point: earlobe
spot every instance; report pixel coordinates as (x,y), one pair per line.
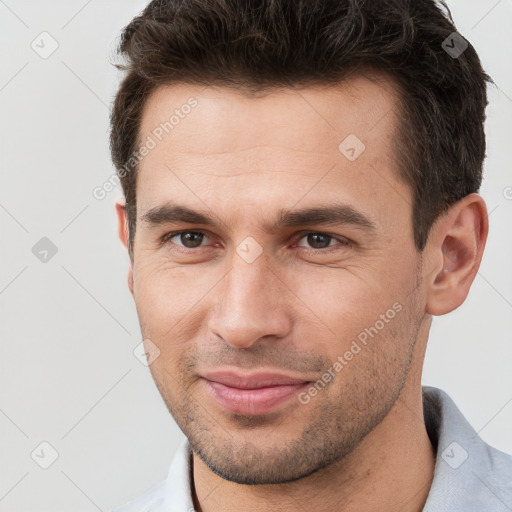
(458,246)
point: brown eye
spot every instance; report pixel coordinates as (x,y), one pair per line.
(318,241)
(187,239)
(321,241)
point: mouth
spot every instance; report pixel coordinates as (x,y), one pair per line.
(253,394)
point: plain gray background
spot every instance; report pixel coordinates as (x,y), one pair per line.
(68,324)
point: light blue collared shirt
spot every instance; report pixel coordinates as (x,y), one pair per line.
(469,475)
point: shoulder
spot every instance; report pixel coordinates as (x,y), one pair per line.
(470,475)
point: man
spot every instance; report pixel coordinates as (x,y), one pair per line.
(301,197)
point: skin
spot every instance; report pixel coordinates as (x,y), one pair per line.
(360,443)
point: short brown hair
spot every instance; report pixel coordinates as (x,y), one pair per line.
(257,45)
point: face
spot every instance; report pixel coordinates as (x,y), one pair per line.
(298,262)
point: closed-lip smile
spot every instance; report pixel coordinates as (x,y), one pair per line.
(255,393)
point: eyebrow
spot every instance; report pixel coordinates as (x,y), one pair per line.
(329,215)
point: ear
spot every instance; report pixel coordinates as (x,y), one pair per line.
(123,233)
(456,249)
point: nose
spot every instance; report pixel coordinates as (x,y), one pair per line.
(251,304)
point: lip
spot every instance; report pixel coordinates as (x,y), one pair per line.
(257,393)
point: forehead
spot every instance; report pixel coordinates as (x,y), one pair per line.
(355,105)
(334,140)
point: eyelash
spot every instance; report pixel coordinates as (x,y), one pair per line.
(343,242)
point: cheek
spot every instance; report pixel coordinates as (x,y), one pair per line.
(342,297)
(166,293)
(351,309)
(170,305)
